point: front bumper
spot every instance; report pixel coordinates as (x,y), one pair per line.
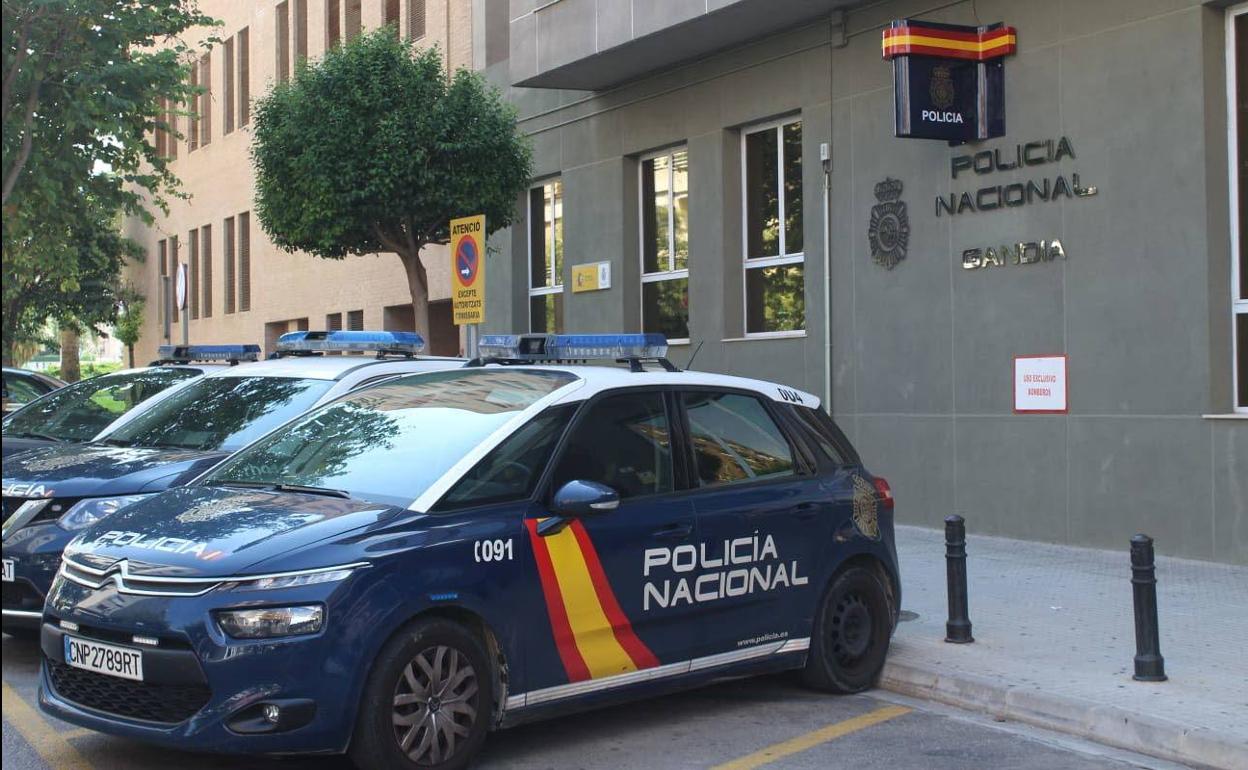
(203,691)
(36,553)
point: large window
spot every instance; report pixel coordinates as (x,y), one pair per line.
(1237,99)
(415,19)
(244,262)
(665,244)
(775,287)
(546,257)
(244,78)
(735,439)
(282,49)
(205,257)
(231,288)
(624,442)
(227,82)
(192,275)
(205,99)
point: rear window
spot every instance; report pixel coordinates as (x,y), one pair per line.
(824,435)
(77,412)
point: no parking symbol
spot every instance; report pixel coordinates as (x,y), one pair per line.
(468,269)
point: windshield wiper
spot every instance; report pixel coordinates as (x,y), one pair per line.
(240,483)
(312,490)
(35,434)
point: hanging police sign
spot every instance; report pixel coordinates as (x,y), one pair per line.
(948,79)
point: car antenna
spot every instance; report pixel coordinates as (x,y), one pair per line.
(697,350)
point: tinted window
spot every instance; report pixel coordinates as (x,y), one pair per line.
(817,435)
(735,439)
(221,412)
(19,391)
(511,470)
(390,442)
(624,442)
(77,412)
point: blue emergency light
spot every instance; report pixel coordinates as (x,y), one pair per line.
(571,347)
(188,353)
(305,343)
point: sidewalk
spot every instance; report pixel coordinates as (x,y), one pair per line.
(1055,641)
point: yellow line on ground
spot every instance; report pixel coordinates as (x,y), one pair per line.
(809,740)
(43,737)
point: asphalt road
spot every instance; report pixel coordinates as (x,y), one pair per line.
(766,721)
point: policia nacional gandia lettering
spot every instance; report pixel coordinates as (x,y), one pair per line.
(1014,194)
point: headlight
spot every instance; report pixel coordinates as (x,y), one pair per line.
(84,513)
(269,622)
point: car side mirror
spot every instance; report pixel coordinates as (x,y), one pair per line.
(584,498)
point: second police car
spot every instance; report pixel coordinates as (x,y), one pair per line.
(400,571)
(52,493)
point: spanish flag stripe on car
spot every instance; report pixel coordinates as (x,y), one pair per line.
(593,636)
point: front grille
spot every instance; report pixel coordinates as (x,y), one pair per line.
(164,703)
(20,595)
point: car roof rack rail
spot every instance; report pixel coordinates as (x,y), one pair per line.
(187,354)
(635,350)
(317,343)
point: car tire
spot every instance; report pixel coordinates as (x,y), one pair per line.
(428,701)
(852,630)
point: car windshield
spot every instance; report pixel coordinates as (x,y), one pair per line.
(225,412)
(77,412)
(390,442)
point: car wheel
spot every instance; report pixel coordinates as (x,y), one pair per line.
(428,701)
(852,631)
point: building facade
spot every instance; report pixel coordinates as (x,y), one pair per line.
(734,164)
(241,288)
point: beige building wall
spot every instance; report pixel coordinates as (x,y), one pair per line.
(219,181)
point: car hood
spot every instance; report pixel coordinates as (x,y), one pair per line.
(220,531)
(94,470)
(12,446)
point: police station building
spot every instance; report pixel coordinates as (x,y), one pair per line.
(1029,318)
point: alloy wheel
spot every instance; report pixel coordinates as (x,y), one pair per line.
(434,704)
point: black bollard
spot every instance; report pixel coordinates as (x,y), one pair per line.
(1149,665)
(958,629)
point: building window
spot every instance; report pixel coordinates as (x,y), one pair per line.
(231,289)
(415,19)
(244,78)
(244,262)
(390,15)
(205,258)
(333,321)
(192,123)
(205,100)
(355,320)
(173,271)
(282,49)
(1237,106)
(354,19)
(227,81)
(171,136)
(333,23)
(193,274)
(301,31)
(665,244)
(546,257)
(771,166)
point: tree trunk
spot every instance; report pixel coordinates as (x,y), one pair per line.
(71,371)
(418,286)
(130,355)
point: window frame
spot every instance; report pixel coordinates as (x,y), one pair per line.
(672,273)
(782,259)
(804,465)
(1239,304)
(554,274)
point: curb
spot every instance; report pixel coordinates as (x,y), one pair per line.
(1094,721)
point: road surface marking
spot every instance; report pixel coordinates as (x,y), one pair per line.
(43,737)
(809,740)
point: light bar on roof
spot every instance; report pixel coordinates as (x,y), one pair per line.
(408,343)
(571,347)
(209,352)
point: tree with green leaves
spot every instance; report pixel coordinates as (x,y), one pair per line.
(85,84)
(375,148)
(129,324)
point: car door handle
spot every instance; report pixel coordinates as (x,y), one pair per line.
(806,510)
(673,532)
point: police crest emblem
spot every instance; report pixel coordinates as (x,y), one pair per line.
(889,233)
(940,87)
(866,512)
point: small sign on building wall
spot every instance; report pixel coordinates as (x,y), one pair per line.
(1040,385)
(594,276)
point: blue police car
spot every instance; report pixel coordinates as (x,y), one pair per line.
(398,572)
(51,494)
